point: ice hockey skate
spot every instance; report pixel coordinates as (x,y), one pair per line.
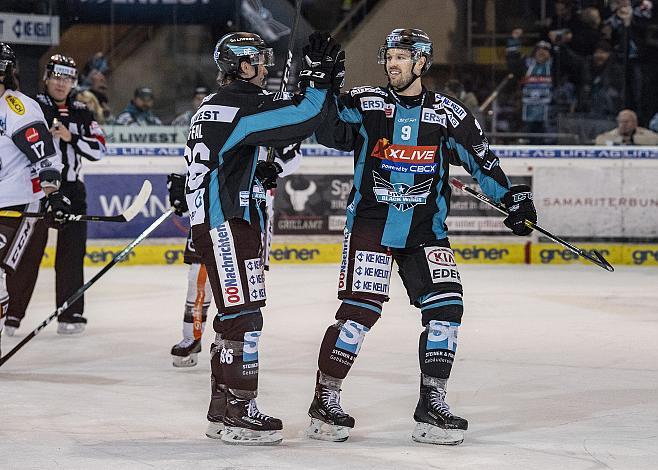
(245,425)
(435,424)
(74,327)
(215,416)
(328,420)
(185,353)
(11,325)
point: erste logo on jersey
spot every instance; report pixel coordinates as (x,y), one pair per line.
(15,104)
(405,158)
(32,135)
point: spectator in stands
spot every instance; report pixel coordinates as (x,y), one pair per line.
(97,84)
(184,119)
(628,29)
(546,89)
(90,100)
(588,35)
(138,112)
(627,132)
(602,82)
(564,18)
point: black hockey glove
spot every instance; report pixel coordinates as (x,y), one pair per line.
(338,73)
(267,173)
(176,187)
(57,208)
(318,62)
(518,201)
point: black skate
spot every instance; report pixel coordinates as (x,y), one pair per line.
(435,423)
(245,425)
(71,325)
(328,420)
(216,411)
(185,353)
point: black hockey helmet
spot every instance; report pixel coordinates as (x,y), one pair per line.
(233,48)
(7,65)
(414,40)
(61,66)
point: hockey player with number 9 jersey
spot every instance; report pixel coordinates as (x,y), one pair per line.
(30,166)
(404,139)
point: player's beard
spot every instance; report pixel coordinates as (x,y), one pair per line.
(400,81)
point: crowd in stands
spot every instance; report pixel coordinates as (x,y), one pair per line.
(590,63)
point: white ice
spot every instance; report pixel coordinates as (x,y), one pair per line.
(557,369)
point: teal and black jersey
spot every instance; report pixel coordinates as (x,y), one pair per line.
(223,146)
(403,148)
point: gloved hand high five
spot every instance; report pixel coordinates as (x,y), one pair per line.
(318,62)
(338,73)
(518,201)
(176,187)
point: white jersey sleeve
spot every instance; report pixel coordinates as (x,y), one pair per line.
(29,159)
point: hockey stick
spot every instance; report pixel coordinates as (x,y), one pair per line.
(77,294)
(269,201)
(125,216)
(593,255)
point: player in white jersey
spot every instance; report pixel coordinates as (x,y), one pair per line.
(30,166)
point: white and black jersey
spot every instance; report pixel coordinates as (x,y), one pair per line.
(87,141)
(29,158)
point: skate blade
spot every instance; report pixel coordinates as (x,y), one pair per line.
(215,430)
(10,330)
(327,432)
(70,328)
(428,434)
(247,437)
(185,361)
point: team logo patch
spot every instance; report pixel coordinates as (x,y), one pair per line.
(32,135)
(256,279)
(351,336)
(405,158)
(442,335)
(400,195)
(15,104)
(441,265)
(227,266)
(371,272)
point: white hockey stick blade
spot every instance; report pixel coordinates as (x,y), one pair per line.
(139,201)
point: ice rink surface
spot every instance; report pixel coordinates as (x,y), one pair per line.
(557,369)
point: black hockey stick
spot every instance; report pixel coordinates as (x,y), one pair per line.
(125,216)
(592,255)
(268,213)
(77,294)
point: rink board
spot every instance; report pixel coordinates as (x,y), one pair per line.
(587,193)
(323,253)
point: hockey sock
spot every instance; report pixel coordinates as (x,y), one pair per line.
(441,317)
(197,302)
(217,406)
(238,355)
(340,346)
